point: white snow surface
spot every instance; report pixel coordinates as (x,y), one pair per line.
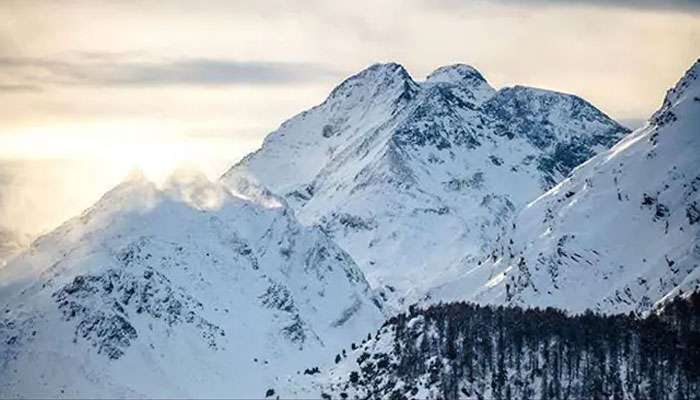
(180,291)
(415,180)
(621,234)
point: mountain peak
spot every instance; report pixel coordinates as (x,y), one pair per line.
(379,72)
(377,79)
(687,85)
(690,78)
(136,174)
(465,81)
(389,67)
(457,74)
(385,155)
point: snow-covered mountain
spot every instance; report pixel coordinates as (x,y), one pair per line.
(243,288)
(182,291)
(621,234)
(409,177)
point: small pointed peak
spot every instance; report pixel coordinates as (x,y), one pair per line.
(694,69)
(135,175)
(133,192)
(688,87)
(382,71)
(385,68)
(688,81)
(135,181)
(457,74)
(466,82)
(377,78)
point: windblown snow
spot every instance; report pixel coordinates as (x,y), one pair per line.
(176,292)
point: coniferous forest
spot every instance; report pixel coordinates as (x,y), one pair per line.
(461,350)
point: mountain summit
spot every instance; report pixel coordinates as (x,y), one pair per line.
(457,74)
(412,177)
(474,87)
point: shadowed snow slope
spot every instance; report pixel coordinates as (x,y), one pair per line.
(621,234)
(408,177)
(176,292)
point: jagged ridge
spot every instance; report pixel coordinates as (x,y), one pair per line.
(409,176)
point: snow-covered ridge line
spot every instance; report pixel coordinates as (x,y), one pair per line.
(413,178)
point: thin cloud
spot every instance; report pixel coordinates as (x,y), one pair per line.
(13,88)
(105,70)
(691,6)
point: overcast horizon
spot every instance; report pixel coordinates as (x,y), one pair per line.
(117,85)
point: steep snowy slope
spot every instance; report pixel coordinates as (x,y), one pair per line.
(407,176)
(621,234)
(176,292)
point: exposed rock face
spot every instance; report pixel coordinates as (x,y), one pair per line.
(100,306)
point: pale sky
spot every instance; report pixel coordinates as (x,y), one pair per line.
(154,84)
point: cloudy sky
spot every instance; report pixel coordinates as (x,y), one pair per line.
(152,84)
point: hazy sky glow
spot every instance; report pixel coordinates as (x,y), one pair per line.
(153,84)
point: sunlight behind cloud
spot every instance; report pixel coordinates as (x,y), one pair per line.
(155,149)
(51,173)
(202,84)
